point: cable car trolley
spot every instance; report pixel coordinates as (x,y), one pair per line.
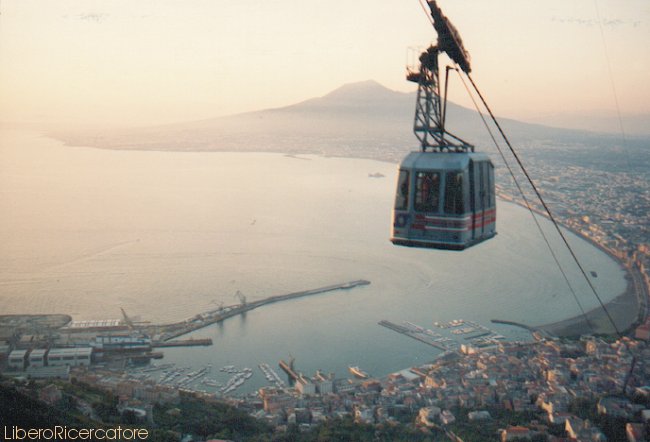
(445,192)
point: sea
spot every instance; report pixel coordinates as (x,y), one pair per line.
(167,235)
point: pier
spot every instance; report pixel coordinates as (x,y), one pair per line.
(288,369)
(476,334)
(137,339)
(480,335)
(416,332)
(167,332)
(271,375)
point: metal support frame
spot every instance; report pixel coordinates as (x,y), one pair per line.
(430,109)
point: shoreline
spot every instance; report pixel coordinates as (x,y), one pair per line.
(625,309)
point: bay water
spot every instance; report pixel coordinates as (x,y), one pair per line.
(166,235)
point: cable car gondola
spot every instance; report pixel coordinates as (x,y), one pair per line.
(445,192)
(444,200)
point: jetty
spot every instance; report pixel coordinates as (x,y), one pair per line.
(418,333)
(167,332)
(288,369)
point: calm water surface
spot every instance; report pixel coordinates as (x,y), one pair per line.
(166,235)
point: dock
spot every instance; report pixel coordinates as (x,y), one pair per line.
(271,375)
(416,332)
(182,343)
(480,335)
(475,334)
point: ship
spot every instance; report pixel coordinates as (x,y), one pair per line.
(358,372)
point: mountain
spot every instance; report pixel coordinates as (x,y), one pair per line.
(362,119)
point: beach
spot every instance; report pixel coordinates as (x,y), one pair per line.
(623,310)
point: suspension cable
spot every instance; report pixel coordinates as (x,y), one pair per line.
(424,9)
(611,75)
(546,208)
(539,196)
(627,156)
(528,205)
(537,193)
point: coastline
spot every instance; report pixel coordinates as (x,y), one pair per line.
(625,309)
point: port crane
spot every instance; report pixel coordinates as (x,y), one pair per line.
(127,320)
(239,295)
(135,328)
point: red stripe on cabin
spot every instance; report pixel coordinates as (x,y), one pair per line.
(467,223)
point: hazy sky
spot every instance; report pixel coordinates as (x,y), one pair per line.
(157,61)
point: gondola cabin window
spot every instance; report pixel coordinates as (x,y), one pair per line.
(402,196)
(454,201)
(427,191)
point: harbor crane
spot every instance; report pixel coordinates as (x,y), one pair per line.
(242,298)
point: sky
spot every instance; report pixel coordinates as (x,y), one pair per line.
(141,62)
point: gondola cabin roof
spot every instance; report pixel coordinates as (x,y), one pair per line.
(441,160)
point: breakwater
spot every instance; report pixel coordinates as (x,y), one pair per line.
(165,332)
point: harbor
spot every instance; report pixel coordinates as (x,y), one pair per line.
(33,340)
(461,333)
(426,336)
(203,379)
(271,375)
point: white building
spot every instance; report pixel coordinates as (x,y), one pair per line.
(305,386)
(18,359)
(69,356)
(37,357)
(325,387)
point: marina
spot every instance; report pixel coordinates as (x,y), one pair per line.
(418,333)
(238,378)
(271,375)
(168,375)
(471,332)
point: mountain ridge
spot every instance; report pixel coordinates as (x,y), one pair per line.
(362,119)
